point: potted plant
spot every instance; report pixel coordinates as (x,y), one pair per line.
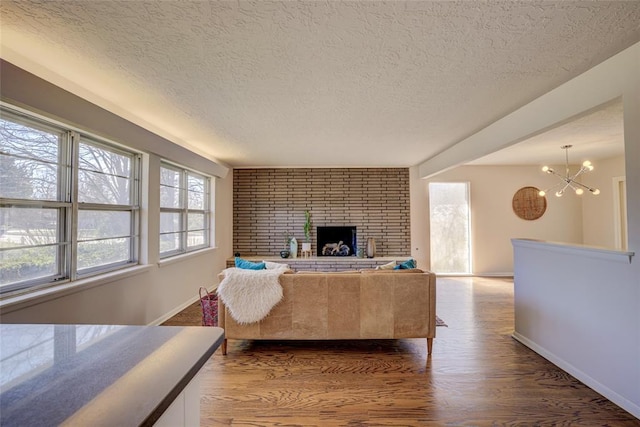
(306,245)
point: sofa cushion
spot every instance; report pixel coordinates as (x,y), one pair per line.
(388,266)
(248,265)
(408,264)
(327,272)
(274,265)
(394,271)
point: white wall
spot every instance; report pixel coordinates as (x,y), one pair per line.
(156,289)
(419,219)
(577,315)
(585,219)
(493,222)
(585,289)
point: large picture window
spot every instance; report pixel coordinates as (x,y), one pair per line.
(450,224)
(69,203)
(184,210)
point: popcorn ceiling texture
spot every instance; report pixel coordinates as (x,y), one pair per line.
(289,83)
(268,202)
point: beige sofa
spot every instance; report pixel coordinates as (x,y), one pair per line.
(370,304)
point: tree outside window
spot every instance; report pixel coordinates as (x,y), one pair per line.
(184,210)
(68,203)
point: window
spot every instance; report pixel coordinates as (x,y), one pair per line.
(450,227)
(184,210)
(68,204)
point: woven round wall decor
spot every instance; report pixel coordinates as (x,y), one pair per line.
(528,204)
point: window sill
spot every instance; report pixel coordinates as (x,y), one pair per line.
(39,296)
(179,258)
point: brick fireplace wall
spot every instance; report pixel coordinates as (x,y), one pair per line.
(269,202)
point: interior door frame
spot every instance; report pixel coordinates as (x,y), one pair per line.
(620,212)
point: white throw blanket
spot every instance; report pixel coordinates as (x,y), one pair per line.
(250,294)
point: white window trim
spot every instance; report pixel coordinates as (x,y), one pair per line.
(70,277)
(184,249)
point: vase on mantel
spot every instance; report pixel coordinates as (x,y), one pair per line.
(371,247)
(293,247)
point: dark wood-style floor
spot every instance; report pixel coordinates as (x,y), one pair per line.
(477,376)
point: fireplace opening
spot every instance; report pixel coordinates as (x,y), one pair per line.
(336,240)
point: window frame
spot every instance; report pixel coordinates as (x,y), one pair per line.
(184,210)
(133,208)
(67,201)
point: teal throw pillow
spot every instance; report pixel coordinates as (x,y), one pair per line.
(248,265)
(409,264)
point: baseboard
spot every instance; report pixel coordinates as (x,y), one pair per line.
(175,311)
(498,274)
(619,400)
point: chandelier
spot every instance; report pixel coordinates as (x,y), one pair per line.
(569,181)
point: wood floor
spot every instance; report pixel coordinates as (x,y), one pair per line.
(477,376)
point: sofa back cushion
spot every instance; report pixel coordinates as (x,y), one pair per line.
(327,272)
(404,271)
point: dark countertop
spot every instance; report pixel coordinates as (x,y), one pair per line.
(98,375)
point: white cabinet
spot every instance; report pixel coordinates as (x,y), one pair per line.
(185,410)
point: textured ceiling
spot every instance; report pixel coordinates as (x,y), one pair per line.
(596,134)
(313,83)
